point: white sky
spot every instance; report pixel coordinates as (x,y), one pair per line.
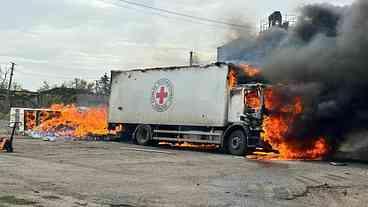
(57,40)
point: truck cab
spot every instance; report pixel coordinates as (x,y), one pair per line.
(245,117)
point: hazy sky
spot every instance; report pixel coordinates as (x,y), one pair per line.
(57,40)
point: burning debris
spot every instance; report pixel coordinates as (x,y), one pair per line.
(73,122)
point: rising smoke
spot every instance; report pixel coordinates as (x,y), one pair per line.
(325,60)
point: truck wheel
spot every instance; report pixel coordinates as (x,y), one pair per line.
(143,135)
(237,143)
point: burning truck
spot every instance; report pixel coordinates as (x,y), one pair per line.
(226,105)
(192,104)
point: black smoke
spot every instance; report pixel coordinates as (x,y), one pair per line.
(318,19)
(325,61)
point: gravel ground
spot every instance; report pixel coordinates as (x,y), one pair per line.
(118,174)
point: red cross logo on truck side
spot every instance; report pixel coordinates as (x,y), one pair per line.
(162,95)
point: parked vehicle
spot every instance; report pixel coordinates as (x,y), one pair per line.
(194,104)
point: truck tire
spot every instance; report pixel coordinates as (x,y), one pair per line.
(237,143)
(143,135)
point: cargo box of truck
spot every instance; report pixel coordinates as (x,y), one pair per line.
(196,104)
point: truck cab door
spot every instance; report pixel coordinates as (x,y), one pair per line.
(236,105)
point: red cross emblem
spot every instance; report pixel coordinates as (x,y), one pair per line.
(161,95)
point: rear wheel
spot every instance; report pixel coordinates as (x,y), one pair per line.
(237,143)
(143,135)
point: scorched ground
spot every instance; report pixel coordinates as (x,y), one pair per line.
(117,174)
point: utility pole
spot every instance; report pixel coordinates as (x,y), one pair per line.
(10,83)
(191,58)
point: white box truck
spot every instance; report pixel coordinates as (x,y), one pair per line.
(194,104)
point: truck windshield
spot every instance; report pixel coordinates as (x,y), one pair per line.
(252,99)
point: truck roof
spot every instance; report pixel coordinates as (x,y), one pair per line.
(170,68)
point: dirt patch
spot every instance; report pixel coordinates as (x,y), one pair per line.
(121,205)
(51,197)
(12,200)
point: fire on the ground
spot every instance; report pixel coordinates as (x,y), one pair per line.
(64,121)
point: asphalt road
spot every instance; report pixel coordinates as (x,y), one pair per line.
(118,174)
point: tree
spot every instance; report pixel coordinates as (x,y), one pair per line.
(83,84)
(3,78)
(79,84)
(16,86)
(99,87)
(45,86)
(103,85)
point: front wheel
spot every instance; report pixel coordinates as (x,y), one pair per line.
(237,143)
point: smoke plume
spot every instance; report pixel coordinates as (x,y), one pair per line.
(324,59)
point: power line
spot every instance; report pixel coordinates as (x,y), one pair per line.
(167,17)
(184,15)
(199,19)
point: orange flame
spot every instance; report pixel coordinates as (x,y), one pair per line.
(191,145)
(252,100)
(276,127)
(249,70)
(30,118)
(316,150)
(76,122)
(33,118)
(232,79)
